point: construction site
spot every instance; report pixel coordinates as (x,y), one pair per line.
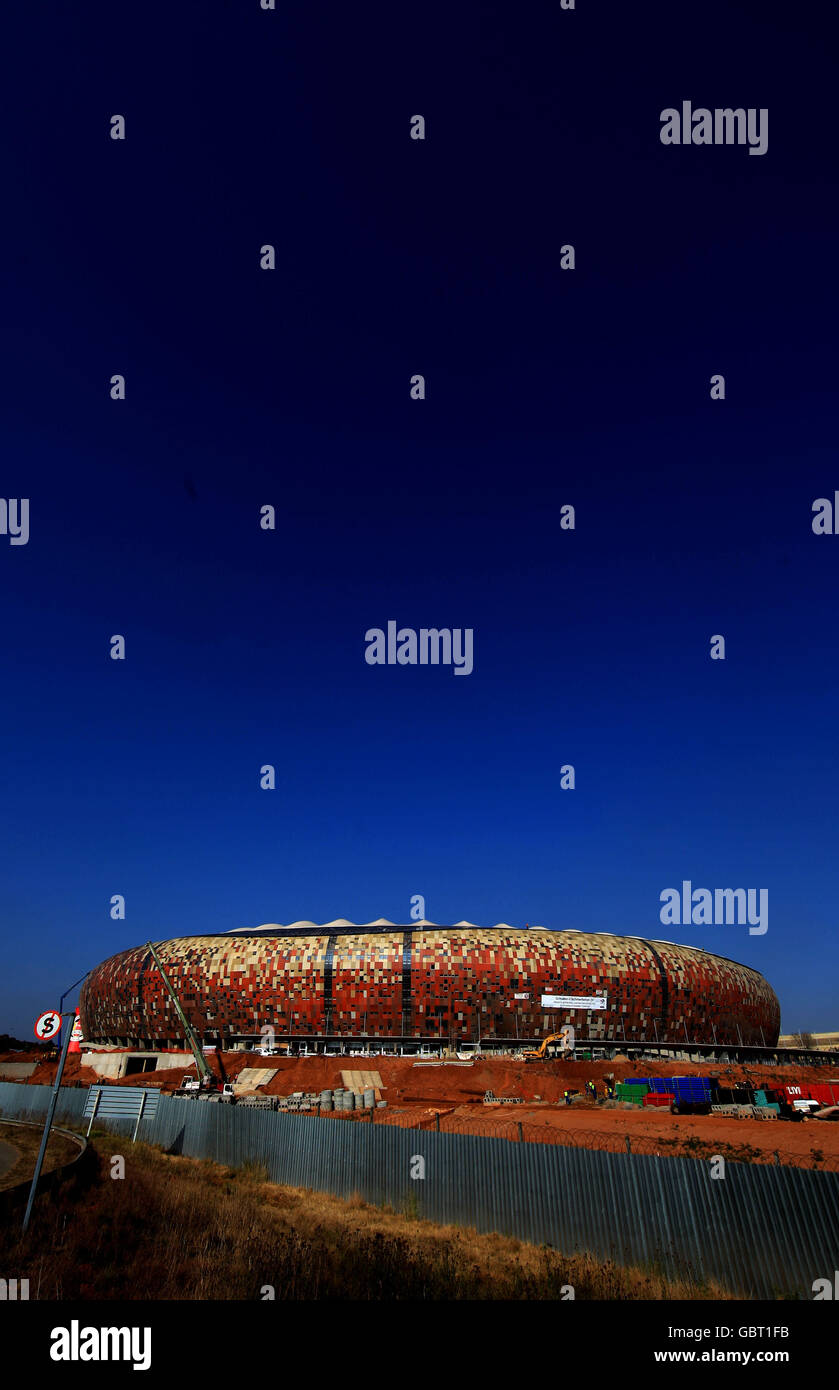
(571,1136)
(617,1044)
(785,1113)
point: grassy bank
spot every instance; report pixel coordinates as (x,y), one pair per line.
(181,1228)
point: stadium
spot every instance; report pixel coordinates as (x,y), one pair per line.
(449,985)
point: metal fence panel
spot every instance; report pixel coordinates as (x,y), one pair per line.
(760,1231)
(120,1102)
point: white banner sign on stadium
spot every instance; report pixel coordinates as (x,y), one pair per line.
(573,1001)
(521,996)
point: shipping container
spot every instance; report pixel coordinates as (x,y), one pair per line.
(822,1091)
(795,1092)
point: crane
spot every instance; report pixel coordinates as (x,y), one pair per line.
(205,1075)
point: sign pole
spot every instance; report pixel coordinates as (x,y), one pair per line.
(139,1116)
(68,1028)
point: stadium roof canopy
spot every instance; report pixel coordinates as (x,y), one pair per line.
(341,924)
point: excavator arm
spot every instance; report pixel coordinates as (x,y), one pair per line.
(539,1053)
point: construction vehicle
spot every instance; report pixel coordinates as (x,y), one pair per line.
(223,1094)
(205,1080)
(540,1053)
(192,1087)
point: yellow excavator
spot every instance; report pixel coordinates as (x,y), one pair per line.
(540,1053)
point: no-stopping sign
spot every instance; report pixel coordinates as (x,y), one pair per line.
(48,1026)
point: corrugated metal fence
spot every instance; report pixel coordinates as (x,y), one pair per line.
(761,1231)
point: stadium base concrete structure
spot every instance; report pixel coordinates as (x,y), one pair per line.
(421,983)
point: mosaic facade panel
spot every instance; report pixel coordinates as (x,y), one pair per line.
(457,984)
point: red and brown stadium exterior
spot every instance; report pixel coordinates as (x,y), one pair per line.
(422,981)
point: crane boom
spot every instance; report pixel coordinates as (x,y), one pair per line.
(200,1060)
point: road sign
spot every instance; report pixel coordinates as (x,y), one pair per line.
(48,1026)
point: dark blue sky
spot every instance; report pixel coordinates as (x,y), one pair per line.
(291,387)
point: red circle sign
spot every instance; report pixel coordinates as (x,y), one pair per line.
(48,1026)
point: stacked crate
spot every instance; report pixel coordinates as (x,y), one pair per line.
(632,1091)
(691,1093)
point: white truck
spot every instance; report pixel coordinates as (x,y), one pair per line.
(192,1088)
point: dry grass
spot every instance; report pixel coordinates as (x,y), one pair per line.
(181,1228)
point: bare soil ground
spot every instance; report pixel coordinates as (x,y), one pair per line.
(415,1093)
(809,1143)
